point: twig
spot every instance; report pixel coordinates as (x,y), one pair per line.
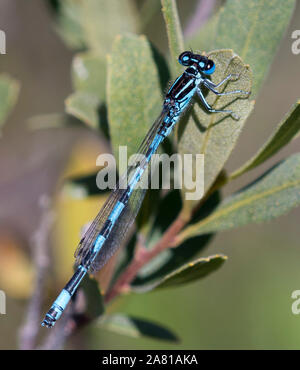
(174,32)
(28,332)
(143,256)
(74,318)
(58,335)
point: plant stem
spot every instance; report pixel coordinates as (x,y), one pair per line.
(29,331)
(174,32)
(143,256)
(169,239)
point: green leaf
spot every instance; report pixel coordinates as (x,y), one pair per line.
(296,136)
(270,196)
(288,128)
(147,12)
(89,74)
(137,328)
(69,24)
(174,32)
(9,90)
(94,305)
(133,91)
(95,23)
(102,20)
(173,258)
(125,257)
(215,134)
(253,29)
(189,272)
(169,208)
(83,106)
(148,210)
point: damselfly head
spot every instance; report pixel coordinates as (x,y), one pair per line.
(204,65)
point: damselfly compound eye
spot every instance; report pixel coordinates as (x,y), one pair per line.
(209,68)
(185,58)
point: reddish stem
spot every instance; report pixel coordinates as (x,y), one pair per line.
(143,256)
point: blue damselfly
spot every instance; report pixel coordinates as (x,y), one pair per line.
(106,232)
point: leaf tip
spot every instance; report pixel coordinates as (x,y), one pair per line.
(218,255)
(225,258)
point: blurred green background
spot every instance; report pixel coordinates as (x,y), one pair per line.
(244,305)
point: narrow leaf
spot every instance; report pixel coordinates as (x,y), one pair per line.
(84,107)
(270,196)
(215,134)
(174,32)
(89,74)
(133,91)
(288,128)
(253,29)
(192,271)
(173,258)
(137,328)
(94,306)
(69,24)
(102,20)
(95,23)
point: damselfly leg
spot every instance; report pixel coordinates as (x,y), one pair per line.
(212,87)
(212,110)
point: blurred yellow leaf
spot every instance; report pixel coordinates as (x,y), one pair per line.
(16,270)
(74,214)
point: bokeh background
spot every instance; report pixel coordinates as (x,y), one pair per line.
(244,305)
